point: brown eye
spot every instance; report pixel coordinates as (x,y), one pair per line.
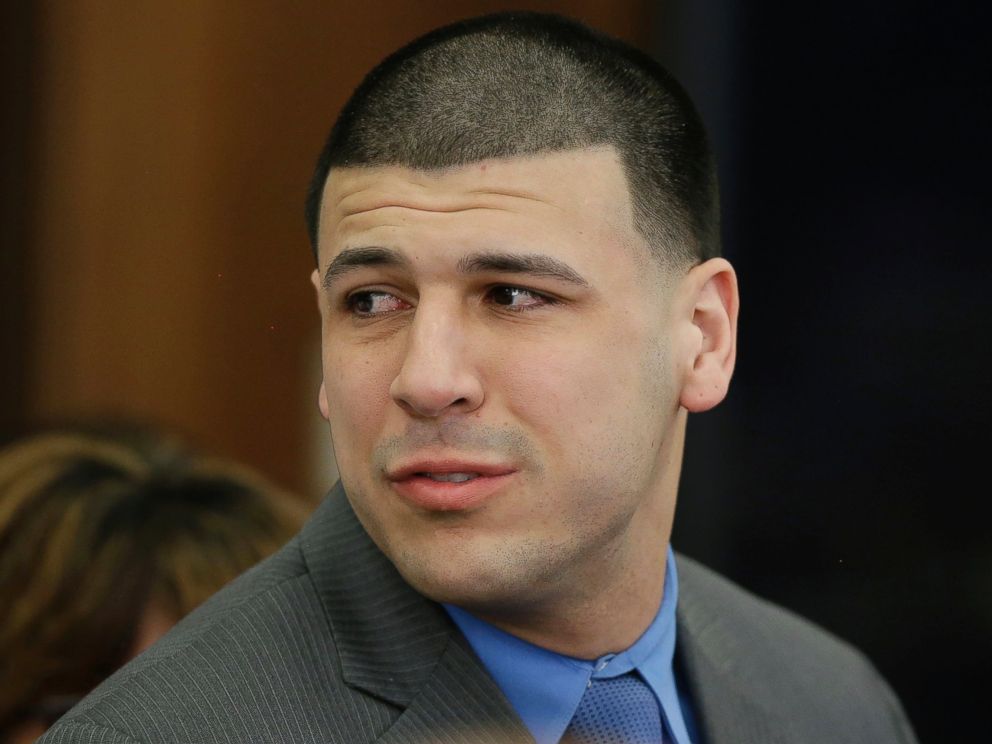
(517,298)
(369,304)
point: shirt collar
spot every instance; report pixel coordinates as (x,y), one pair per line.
(545,688)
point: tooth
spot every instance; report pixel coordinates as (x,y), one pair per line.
(452,477)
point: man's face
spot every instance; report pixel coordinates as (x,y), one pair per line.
(498,374)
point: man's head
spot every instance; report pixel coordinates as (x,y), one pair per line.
(518,84)
(509,352)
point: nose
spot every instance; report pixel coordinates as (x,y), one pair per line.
(437,375)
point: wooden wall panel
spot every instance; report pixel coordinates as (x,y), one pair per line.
(171,260)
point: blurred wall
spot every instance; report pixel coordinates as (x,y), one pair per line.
(17,53)
(171,146)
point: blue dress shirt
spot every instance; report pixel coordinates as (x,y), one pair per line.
(545,688)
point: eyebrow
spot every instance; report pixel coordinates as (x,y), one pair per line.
(351,259)
(534,264)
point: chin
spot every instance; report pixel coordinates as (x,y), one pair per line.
(476,576)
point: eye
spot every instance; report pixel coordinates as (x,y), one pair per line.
(370,303)
(517,298)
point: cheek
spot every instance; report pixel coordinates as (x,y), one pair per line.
(595,369)
(603,397)
(357,387)
(563,391)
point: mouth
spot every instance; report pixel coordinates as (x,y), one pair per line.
(448,485)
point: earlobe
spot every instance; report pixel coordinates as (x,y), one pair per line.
(713,304)
(322,393)
(322,401)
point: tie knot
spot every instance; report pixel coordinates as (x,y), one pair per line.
(618,710)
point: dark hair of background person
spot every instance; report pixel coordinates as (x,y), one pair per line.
(106,540)
(515,84)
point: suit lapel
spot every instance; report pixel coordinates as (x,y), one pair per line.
(459,705)
(728,707)
(388,637)
(397,645)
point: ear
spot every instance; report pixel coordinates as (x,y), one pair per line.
(315,281)
(708,312)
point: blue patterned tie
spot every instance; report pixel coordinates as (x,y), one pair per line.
(619,710)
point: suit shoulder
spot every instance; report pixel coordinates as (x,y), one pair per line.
(714,604)
(256,662)
(282,575)
(787,662)
(75,732)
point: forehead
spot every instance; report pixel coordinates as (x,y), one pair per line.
(583,192)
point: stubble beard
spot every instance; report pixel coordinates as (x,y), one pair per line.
(456,558)
(508,577)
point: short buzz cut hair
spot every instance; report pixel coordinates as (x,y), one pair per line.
(518,84)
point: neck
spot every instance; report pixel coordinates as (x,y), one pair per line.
(606,621)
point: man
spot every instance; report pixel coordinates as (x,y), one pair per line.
(515,226)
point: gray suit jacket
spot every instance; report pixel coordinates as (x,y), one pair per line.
(325,642)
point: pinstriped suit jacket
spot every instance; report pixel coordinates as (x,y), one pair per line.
(324,642)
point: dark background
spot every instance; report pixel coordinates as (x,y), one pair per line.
(846,474)
(154,264)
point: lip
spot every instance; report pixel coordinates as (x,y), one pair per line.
(434,495)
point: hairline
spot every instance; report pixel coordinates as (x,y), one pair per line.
(667,257)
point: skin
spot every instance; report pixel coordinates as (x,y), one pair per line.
(155,622)
(579,384)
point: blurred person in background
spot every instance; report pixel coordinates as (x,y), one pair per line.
(106,540)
